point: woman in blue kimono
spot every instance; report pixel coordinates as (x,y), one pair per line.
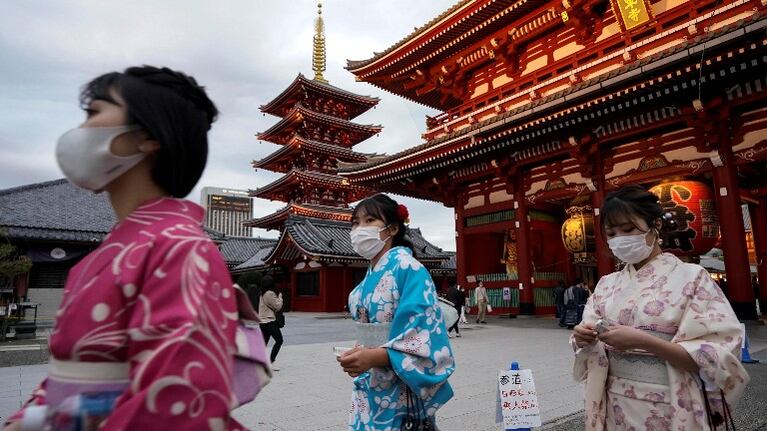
(403,357)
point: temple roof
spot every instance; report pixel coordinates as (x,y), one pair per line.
(281,132)
(302,87)
(257,261)
(329,240)
(301,182)
(55,211)
(238,249)
(58,211)
(451,13)
(561,103)
(277,218)
(456,29)
(293,149)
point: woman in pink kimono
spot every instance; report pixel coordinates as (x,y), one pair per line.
(665,332)
(149,315)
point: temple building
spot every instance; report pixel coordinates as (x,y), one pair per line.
(547,106)
(313,258)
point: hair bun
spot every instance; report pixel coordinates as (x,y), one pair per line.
(182,84)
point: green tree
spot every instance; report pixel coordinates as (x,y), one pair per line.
(11,264)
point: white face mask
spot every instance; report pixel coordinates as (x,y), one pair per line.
(367,241)
(84,157)
(631,248)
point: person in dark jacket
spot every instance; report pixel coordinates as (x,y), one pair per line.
(458,298)
(559,299)
(581,295)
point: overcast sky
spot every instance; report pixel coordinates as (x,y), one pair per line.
(244,52)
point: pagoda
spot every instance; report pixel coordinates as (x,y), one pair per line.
(313,259)
(315,132)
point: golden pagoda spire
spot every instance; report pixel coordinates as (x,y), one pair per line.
(318,53)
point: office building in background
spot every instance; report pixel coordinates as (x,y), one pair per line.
(226,209)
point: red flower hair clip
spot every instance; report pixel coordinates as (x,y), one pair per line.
(403,214)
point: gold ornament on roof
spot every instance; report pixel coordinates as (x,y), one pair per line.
(318,51)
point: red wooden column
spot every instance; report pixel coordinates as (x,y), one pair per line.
(524,260)
(759,229)
(728,205)
(460,248)
(605,263)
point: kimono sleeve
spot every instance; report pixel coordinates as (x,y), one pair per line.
(712,335)
(593,353)
(37,398)
(419,350)
(181,342)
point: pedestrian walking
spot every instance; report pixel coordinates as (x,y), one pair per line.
(481,298)
(559,299)
(659,345)
(403,357)
(570,315)
(458,298)
(581,296)
(151,313)
(272,320)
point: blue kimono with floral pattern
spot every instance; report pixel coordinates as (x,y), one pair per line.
(398,296)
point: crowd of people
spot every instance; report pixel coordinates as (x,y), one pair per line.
(656,344)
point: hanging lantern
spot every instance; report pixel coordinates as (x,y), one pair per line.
(578,233)
(690,223)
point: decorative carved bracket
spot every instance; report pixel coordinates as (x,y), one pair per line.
(585,17)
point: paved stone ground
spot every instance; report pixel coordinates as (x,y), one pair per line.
(312,393)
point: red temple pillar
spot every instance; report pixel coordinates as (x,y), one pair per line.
(759,229)
(460,248)
(605,263)
(728,205)
(524,260)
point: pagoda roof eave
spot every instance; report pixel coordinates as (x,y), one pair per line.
(380,165)
(278,217)
(300,113)
(273,106)
(294,176)
(342,153)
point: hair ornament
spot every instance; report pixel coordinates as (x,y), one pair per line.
(403,214)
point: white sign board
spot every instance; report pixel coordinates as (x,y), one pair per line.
(519,401)
(507,294)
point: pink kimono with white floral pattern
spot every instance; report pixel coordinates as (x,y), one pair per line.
(156,294)
(676,301)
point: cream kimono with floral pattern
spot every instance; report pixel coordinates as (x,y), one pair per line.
(676,301)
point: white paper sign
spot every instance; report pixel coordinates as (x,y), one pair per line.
(507,294)
(519,401)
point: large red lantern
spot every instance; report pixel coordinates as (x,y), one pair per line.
(691,226)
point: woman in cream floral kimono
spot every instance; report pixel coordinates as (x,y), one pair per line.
(670,332)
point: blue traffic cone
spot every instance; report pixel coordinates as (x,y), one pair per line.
(745,355)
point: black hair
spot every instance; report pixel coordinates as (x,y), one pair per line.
(173,109)
(386,209)
(267,284)
(628,203)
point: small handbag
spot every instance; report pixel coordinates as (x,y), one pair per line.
(715,419)
(252,370)
(416,418)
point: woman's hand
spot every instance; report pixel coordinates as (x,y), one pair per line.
(361,359)
(584,335)
(623,338)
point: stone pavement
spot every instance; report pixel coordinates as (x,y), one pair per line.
(312,393)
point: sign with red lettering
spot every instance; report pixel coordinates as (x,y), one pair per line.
(519,401)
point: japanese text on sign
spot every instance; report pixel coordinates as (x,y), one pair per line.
(519,402)
(632,12)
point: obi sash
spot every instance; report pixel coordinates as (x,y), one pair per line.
(70,378)
(640,366)
(372,334)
